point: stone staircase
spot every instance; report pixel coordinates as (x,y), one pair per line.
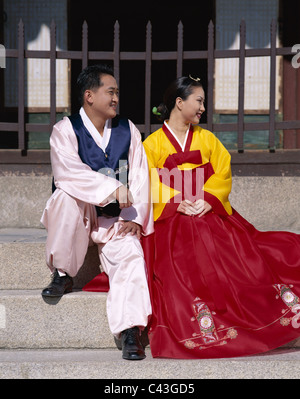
(70,338)
(77,320)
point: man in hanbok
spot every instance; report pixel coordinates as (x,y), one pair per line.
(101,195)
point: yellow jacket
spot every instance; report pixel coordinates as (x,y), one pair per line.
(218,186)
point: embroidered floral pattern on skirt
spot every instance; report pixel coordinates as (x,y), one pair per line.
(208,331)
(292,301)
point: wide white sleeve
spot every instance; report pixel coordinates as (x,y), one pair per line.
(139,185)
(71,174)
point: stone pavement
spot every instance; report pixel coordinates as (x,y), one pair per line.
(108,364)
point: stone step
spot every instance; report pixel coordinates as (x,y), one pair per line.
(22,261)
(108,365)
(77,320)
(259,199)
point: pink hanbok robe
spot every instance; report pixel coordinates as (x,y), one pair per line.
(71,221)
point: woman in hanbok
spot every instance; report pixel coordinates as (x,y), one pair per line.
(219,287)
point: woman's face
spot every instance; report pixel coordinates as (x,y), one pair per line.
(193,107)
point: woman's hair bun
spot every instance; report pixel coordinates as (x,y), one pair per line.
(161,112)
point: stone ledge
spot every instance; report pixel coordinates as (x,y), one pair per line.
(23,265)
(269,202)
(78,320)
(108,364)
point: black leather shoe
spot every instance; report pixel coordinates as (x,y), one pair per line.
(59,286)
(132,349)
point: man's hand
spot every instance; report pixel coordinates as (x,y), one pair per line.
(124,197)
(130,227)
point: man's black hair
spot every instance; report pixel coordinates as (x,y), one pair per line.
(90,78)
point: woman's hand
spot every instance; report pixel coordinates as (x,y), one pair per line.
(197,208)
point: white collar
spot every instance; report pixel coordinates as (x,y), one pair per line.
(173,134)
(101,141)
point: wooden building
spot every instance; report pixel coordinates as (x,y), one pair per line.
(251,93)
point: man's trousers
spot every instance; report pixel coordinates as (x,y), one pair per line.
(72,226)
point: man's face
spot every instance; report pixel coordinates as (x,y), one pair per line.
(104,99)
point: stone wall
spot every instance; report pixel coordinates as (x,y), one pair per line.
(270,203)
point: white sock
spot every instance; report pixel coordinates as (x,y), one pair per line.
(61,274)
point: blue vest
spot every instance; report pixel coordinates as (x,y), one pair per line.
(113,162)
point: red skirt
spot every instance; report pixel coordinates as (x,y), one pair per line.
(221,288)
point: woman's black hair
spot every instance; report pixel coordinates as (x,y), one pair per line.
(90,78)
(181,87)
